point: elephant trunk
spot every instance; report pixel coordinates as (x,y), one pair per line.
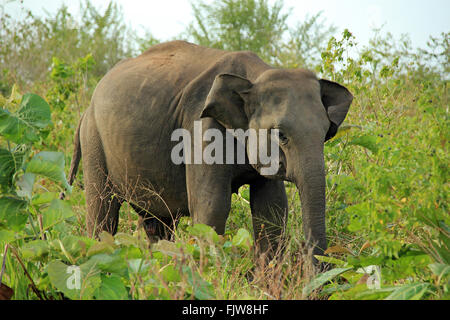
(310,182)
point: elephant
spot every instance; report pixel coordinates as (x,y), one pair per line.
(124,139)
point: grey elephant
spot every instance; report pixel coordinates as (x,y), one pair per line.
(125,140)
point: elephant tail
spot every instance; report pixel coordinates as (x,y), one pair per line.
(75,159)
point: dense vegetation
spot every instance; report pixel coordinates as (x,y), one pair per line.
(387,182)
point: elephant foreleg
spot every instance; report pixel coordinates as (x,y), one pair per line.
(209,195)
(269,206)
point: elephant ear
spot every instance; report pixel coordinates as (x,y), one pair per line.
(226,101)
(337,100)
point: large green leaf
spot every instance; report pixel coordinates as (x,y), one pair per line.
(413,291)
(322,278)
(112,263)
(6,236)
(35,111)
(58,211)
(243,239)
(45,197)
(112,288)
(51,165)
(25,125)
(170,274)
(204,231)
(441,270)
(203,290)
(13,213)
(34,250)
(75,282)
(65,279)
(366,141)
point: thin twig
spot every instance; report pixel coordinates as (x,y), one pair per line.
(33,285)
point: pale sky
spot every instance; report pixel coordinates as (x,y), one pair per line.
(165,19)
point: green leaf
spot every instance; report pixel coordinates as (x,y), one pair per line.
(34,250)
(10,163)
(6,236)
(245,193)
(367,141)
(351,276)
(372,294)
(322,278)
(111,288)
(331,260)
(24,126)
(25,185)
(45,197)
(343,130)
(413,291)
(441,270)
(167,247)
(203,290)
(243,239)
(13,213)
(360,292)
(75,282)
(13,129)
(58,211)
(204,231)
(357,214)
(113,263)
(51,165)
(3,100)
(170,274)
(65,279)
(35,111)
(100,247)
(75,245)
(7,168)
(336,288)
(138,266)
(125,239)
(9,204)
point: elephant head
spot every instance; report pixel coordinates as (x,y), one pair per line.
(306,111)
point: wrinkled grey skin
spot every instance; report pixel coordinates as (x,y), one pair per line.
(125,140)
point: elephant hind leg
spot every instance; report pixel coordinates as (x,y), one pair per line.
(103,205)
(103,208)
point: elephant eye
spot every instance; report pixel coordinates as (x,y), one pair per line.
(283,139)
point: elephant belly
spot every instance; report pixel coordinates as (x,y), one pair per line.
(142,172)
(160,193)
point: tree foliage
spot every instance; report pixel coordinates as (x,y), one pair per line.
(253,25)
(28,45)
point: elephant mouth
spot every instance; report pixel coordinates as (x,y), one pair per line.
(281,170)
(280,174)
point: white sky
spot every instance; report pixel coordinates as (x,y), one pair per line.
(165,19)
